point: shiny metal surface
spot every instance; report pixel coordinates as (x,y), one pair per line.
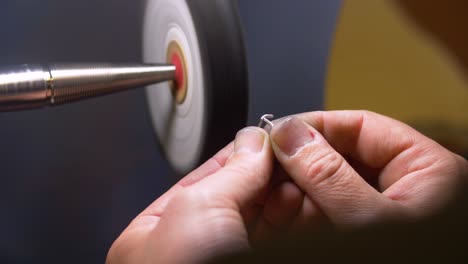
(265,119)
(31,86)
(23,86)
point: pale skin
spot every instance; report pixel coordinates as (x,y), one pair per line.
(343,169)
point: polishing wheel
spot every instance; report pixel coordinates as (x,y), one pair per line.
(199,112)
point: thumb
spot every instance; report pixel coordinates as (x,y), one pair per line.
(209,212)
(325,176)
(247,172)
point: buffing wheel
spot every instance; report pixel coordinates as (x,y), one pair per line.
(200,112)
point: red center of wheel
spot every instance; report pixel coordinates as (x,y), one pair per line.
(179,73)
(175,56)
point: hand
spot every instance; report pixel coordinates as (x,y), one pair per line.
(357,167)
(348,168)
(207,213)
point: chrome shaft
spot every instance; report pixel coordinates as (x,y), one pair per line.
(33,85)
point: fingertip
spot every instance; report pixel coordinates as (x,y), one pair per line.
(250,140)
(247,171)
(291,135)
(251,145)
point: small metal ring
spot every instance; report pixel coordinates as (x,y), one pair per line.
(265,119)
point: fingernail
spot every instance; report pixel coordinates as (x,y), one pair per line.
(291,135)
(249,140)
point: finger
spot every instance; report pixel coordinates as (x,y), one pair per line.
(432,185)
(150,215)
(405,165)
(281,208)
(310,217)
(262,232)
(302,215)
(282,205)
(211,208)
(246,173)
(250,216)
(379,143)
(143,227)
(325,176)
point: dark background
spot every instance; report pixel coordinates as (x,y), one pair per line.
(73,177)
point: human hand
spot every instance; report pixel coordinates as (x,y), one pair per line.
(348,168)
(207,213)
(358,167)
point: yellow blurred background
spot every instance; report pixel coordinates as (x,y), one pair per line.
(383,61)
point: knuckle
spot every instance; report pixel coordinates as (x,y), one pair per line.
(240,167)
(452,165)
(246,166)
(460,168)
(324,167)
(188,196)
(464,166)
(366,113)
(251,173)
